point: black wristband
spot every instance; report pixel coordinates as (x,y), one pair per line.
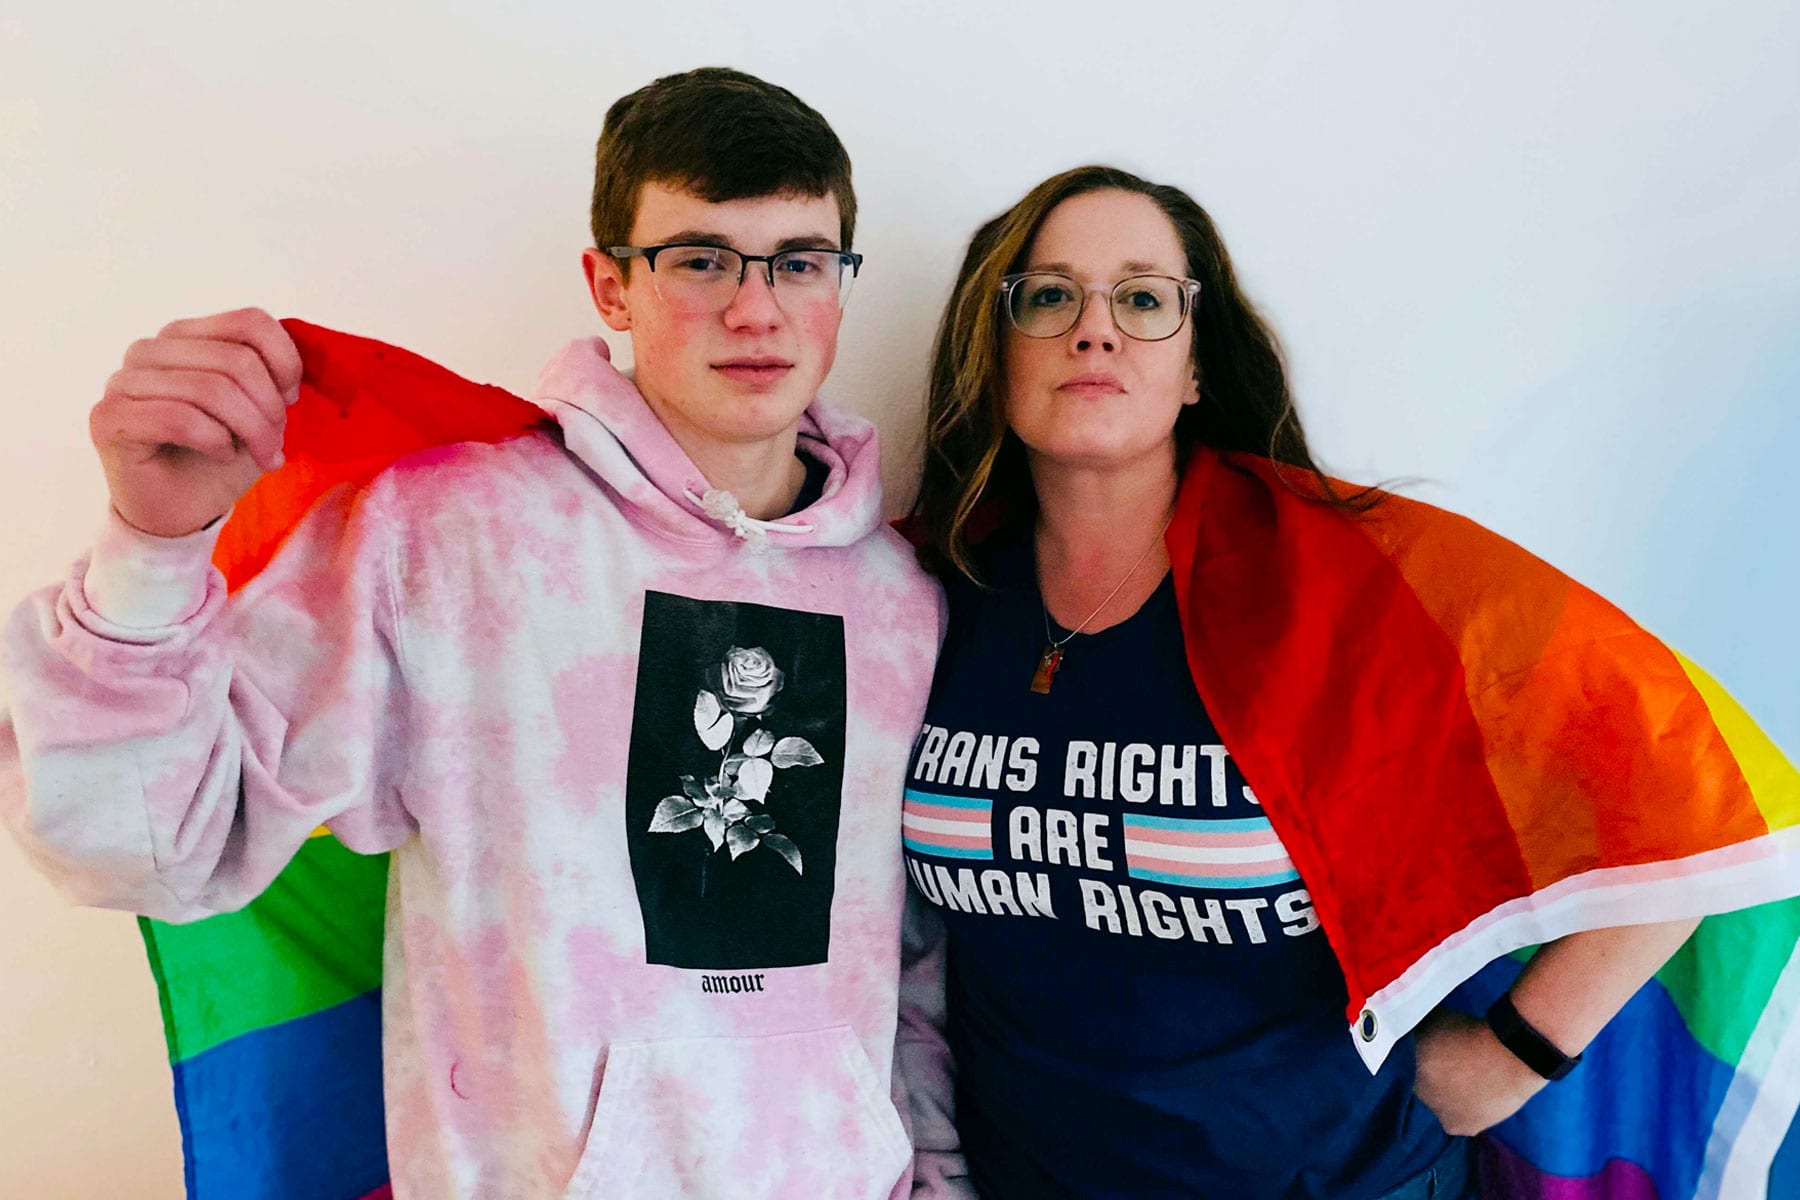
(1527,1044)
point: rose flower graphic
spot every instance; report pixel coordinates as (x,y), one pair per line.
(729,806)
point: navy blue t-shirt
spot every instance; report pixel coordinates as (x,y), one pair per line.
(1142,1003)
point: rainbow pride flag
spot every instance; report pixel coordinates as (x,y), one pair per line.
(273,1019)
(1522,761)
(1468,754)
(1689,1092)
(273,1013)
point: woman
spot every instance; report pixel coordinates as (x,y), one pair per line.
(1147,972)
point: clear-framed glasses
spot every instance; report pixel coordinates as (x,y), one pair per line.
(1146,308)
(705,279)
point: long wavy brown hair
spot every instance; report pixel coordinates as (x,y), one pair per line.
(976,475)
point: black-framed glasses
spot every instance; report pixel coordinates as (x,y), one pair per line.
(1145,308)
(705,279)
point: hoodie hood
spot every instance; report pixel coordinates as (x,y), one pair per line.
(607,424)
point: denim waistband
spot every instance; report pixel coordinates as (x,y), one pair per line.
(1447,1178)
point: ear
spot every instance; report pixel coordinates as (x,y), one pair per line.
(606,284)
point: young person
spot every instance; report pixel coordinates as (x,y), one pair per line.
(1218,750)
(628,700)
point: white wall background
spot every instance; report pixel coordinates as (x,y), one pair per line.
(1547,256)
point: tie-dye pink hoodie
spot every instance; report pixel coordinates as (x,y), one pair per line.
(638,757)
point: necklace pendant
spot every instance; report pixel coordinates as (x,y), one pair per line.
(1045,675)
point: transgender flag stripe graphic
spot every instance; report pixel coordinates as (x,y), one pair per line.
(948,826)
(1206,854)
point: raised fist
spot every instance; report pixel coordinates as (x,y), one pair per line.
(194,416)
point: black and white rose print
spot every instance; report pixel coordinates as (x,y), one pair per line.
(730,807)
(733,789)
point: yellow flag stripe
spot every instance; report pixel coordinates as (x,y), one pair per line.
(1774,783)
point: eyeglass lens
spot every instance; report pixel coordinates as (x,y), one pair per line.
(1146,307)
(705,278)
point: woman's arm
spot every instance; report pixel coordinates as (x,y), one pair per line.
(1567,992)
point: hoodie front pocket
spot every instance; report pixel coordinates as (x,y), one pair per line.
(789,1115)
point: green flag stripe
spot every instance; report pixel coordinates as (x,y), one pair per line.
(1741,956)
(313,940)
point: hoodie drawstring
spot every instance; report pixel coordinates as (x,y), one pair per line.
(724,508)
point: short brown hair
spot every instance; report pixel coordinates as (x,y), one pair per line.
(722,135)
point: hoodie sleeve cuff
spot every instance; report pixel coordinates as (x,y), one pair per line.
(136,580)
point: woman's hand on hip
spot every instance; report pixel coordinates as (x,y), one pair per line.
(1466,1076)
